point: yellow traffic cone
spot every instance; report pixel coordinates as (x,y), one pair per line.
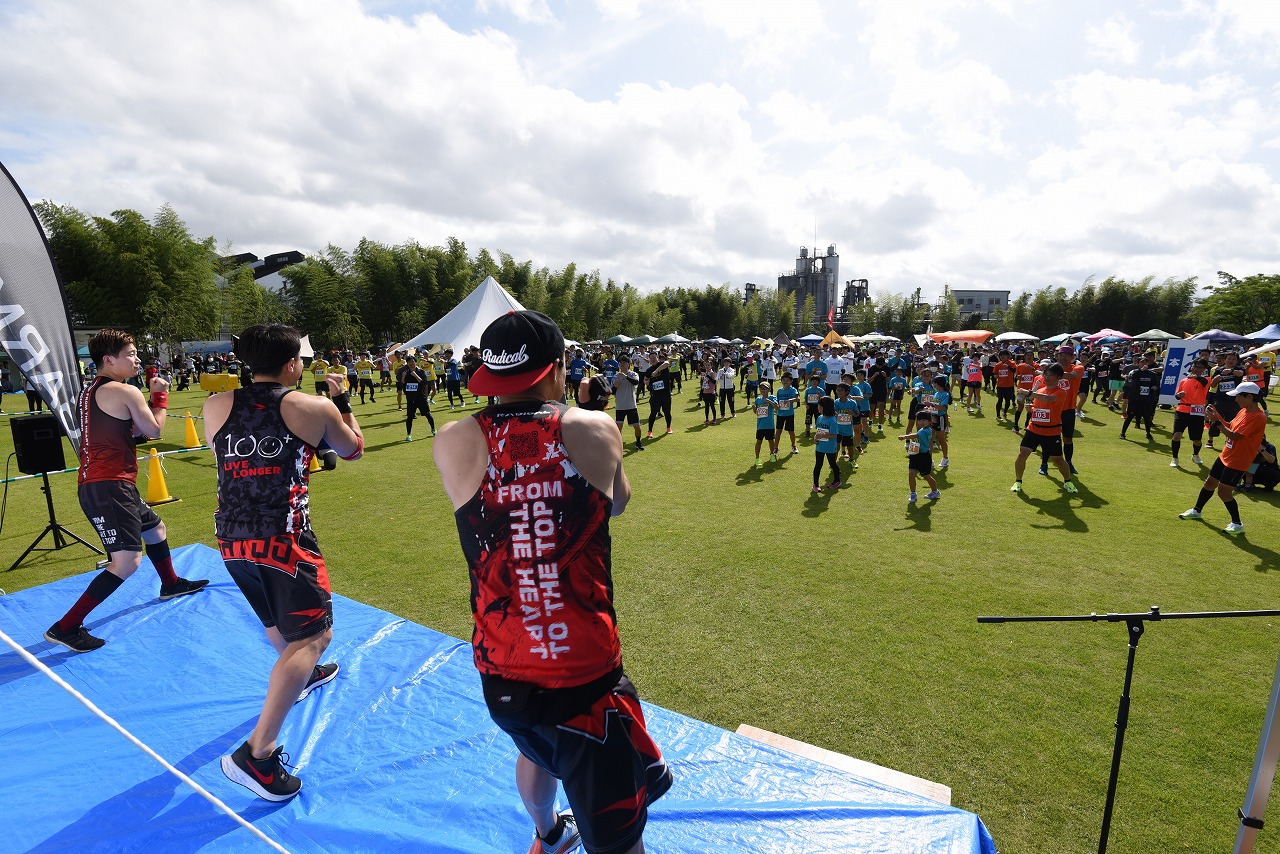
(157,490)
(193,440)
(315,464)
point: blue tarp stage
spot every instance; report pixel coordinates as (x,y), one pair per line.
(396,754)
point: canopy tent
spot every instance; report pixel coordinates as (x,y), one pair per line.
(1107,333)
(972,336)
(759,340)
(810,339)
(1157,335)
(643,339)
(305,349)
(462,326)
(1057,339)
(1271,333)
(715,339)
(781,340)
(672,338)
(835,338)
(201,348)
(737,341)
(1220,336)
(1265,348)
(1014,336)
(877,338)
(618,339)
(1110,339)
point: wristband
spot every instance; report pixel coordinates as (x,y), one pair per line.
(343,402)
(159,400)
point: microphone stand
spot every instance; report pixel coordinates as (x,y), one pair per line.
(1250,820)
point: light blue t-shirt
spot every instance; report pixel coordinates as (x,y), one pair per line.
(787,397)
(845,411)
(763,404)
(864,403)
(829,444)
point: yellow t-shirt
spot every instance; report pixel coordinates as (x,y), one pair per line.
(365,369)
(428,368)
(319,367)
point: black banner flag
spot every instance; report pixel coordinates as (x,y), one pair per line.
(35,329)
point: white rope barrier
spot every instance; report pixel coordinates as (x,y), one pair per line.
(88,704)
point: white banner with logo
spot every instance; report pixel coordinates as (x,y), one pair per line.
(1177,360)
(34,327)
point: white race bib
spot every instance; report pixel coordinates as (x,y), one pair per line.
(658,385)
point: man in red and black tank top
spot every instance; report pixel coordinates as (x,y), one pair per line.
(264,438)
(533,484)
(111,414)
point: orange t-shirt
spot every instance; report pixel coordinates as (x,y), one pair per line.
(1196,392)
(1025,374)
(1238,454)
(1255,375)
(1004,374)
(1046,416)
(1070,381)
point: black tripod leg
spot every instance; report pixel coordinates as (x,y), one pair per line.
(1136,627)
(32,547)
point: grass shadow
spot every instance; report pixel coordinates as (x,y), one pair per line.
(919,516)
(1058,508)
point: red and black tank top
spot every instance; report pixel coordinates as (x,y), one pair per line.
(536,540)
(263,469)
(107,449)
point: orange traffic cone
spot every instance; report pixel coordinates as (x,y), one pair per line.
(193,440)
(157,490)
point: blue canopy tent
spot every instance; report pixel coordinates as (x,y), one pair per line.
(1271,333)
(1220,336)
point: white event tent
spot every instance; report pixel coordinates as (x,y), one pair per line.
(461,327)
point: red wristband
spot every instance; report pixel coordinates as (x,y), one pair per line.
(159,400)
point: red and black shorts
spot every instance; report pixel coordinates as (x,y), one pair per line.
(599,749)
(285,581)
(1051,445)
(118,514)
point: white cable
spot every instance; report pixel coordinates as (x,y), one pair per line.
(88,704)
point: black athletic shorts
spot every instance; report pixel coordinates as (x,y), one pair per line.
(897,394)
(1004,393)
(1222,474)
(921,463)
(1052,445)
(879,397)
(1193,424)
(1068,423)
(599,749)
(631,416)
(845,441)
(322,387)
(285,581)
(765,433)
(786,422)
(118,514)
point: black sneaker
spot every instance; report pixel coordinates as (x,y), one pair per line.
(181,587)
(76,640)
(322,674)
(266,778)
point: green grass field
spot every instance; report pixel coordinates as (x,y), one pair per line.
(848,619)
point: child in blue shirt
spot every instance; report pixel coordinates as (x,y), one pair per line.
(787,398)
(919,456)
(864,407)
(897,387)
(846,413)
(765,405)
(826,437)
(941,397)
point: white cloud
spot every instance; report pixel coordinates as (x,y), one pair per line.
(532,11)
(1113,40)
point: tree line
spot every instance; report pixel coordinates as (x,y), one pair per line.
(154,279)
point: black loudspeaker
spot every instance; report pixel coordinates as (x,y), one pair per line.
(37,440)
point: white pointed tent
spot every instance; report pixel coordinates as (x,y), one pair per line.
(462,326)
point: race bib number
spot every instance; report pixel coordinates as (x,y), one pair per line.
(658,385)
(913,447)
(1144,391)
(367,373)
(812,398)
(1197,409)
(320,373)
(762,412)
(844,417)
(1226,385)
(926,399)
(1040,415)
(410,386)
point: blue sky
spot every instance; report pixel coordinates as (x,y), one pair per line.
(1007,144)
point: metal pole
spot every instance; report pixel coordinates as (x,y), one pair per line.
(1264,773)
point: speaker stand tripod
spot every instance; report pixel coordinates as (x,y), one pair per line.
(52,528)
